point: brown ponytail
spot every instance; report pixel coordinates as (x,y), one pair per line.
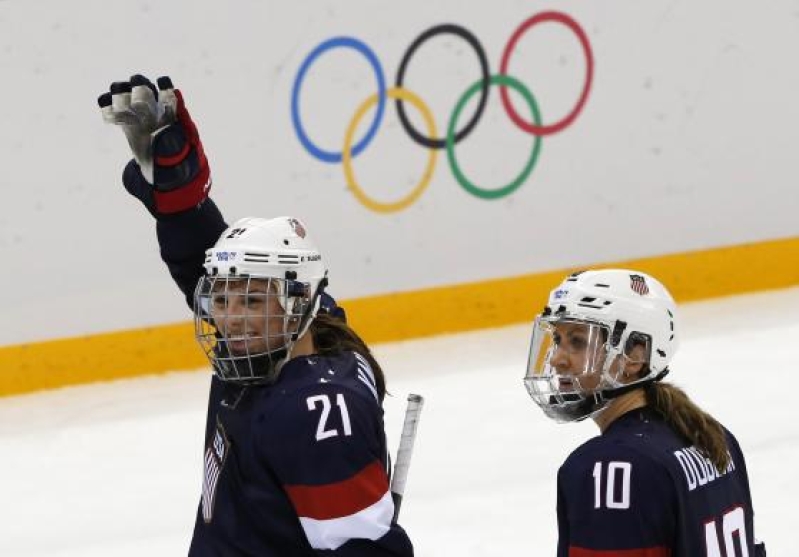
(691,422)
(331,336)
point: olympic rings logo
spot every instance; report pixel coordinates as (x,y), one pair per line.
(400,95)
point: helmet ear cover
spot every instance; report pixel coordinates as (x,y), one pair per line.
(302,291)
(295,289)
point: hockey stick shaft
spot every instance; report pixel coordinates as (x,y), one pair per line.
(405,450)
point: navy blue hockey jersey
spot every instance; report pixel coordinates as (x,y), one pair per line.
(299,467)
(638,490)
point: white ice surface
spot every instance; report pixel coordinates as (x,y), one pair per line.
(114,468)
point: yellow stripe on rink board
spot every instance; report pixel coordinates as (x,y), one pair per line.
(690,276)
(58,363)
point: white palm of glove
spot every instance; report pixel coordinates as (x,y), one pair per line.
(141,115)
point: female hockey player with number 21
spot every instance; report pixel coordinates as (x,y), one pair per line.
(664,478)
(295,451)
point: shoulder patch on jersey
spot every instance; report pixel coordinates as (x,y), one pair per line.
(366,375)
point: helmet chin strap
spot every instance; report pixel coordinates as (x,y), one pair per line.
(585,408)
(610,394)
(595,402)
(266,367)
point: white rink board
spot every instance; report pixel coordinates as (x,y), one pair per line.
(686,141)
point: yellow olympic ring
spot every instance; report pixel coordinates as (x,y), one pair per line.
(392,206)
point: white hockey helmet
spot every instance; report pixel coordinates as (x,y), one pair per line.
(595,323)
(263,283)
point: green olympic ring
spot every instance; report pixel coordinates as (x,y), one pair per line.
(483,193)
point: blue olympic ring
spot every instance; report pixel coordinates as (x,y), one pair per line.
(371,57)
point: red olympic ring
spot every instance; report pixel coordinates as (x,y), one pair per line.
(547,129)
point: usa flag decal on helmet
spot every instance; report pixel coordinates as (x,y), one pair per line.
(297,227)
(638,284)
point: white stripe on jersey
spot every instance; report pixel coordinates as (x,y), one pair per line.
(214,460)
(365,374)
(369,385)
(212,470)
(364,365)
(371,523)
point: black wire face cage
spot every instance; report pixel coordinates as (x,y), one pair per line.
(247,325)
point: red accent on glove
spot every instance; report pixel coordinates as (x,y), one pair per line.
(186,197)
(195,192)
(190,129)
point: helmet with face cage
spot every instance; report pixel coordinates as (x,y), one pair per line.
(596,322)
(263,284)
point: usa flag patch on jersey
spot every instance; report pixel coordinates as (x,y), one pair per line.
(638,284)
(215,455)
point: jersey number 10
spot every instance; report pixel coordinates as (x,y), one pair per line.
(618,474)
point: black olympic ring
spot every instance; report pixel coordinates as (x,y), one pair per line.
(468,36)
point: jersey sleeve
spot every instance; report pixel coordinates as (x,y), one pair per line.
(183,239)
(618,503)
(737,455)
(330,459)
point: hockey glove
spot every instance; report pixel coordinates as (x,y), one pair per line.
(169,172)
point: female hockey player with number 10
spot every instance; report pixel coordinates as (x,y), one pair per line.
(295,452)
(664,478)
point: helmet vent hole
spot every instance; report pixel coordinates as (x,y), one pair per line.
(600,285)
(285,242)
(588,299)
(254,257)
(288,259)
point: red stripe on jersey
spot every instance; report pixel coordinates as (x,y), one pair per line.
(323,502)
(641,552)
